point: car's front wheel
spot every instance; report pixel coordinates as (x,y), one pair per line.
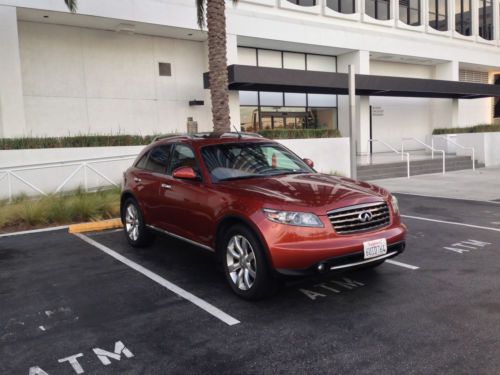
(134,227)
(245,264)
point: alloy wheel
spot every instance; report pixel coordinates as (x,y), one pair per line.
(132,222)
(240,261)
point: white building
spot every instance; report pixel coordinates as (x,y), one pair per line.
(134,66)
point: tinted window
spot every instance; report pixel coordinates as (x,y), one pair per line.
(438,14)
(304,3)
(341,6)
(158,159)
(183,156)
(236,161)
(142,161)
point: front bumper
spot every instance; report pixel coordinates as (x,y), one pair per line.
(344,262)
(297,248)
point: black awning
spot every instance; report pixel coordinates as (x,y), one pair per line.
(251,78)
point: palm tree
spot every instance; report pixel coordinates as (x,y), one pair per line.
(217,60)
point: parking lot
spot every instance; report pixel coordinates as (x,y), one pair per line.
(92,304)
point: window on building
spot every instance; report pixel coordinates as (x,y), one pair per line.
(289,111)
(247,56)
(378,9)
(292,60)
(473,76)
(463,17)
(438,14)
(320,63)
(265,110)
(165,69)
(486,19)
(409,12)
(269,58)
(304,3)
(342,6)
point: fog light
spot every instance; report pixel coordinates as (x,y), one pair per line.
(321,267)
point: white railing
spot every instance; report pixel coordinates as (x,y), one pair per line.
(394,150)
(404,140)
(48,170)
(458,145)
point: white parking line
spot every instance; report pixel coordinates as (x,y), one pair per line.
(34,231)
(214,311)
(450,222)
(405,265)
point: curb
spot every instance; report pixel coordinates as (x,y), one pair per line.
(95,226)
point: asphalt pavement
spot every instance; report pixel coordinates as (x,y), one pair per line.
(92,304)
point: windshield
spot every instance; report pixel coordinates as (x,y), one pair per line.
(248,160)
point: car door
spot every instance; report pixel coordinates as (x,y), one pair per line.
(184,202)
(148,180)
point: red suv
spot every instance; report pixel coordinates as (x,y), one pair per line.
(261,209)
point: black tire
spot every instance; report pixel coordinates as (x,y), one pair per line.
(140,236)
(239,277)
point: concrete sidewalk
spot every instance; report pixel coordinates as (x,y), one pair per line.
(482,184)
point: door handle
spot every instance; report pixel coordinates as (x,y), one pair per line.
(137,180)
(166,186)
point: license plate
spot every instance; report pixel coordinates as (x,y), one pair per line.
(375,248)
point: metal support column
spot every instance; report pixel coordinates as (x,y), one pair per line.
(352,119)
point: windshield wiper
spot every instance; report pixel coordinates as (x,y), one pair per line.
(241,177)
(287,172)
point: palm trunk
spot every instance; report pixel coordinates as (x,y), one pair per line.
(217,63)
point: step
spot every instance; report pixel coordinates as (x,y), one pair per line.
(382,174)
(414,170)
(418,162)
(378,169)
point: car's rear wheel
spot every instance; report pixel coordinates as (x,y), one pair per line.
(134,227)
(245,264)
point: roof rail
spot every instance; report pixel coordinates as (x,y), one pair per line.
(209,135)
(167,136)
(240,134)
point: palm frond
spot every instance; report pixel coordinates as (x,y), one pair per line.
(72,5)
(200,7)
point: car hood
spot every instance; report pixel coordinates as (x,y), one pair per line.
(317,192)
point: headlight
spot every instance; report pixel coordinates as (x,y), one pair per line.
(395,206)
(301,219)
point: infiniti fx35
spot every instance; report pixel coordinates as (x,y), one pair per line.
(262,210)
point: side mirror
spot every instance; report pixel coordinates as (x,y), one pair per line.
(185,173)
(309,162)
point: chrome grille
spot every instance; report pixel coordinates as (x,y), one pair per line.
(347,220)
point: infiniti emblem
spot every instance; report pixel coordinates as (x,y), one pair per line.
(365,216)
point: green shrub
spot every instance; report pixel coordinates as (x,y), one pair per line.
(79,206)
(483,128)
(74,141)
(299,133)
(138,140)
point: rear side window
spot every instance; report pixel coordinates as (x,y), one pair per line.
(141,164)
(158,159)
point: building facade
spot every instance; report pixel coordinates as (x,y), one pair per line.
(136,66)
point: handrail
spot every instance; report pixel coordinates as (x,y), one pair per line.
(396,151)
(85,164)
(459,145)
(68,163)
(426,146)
